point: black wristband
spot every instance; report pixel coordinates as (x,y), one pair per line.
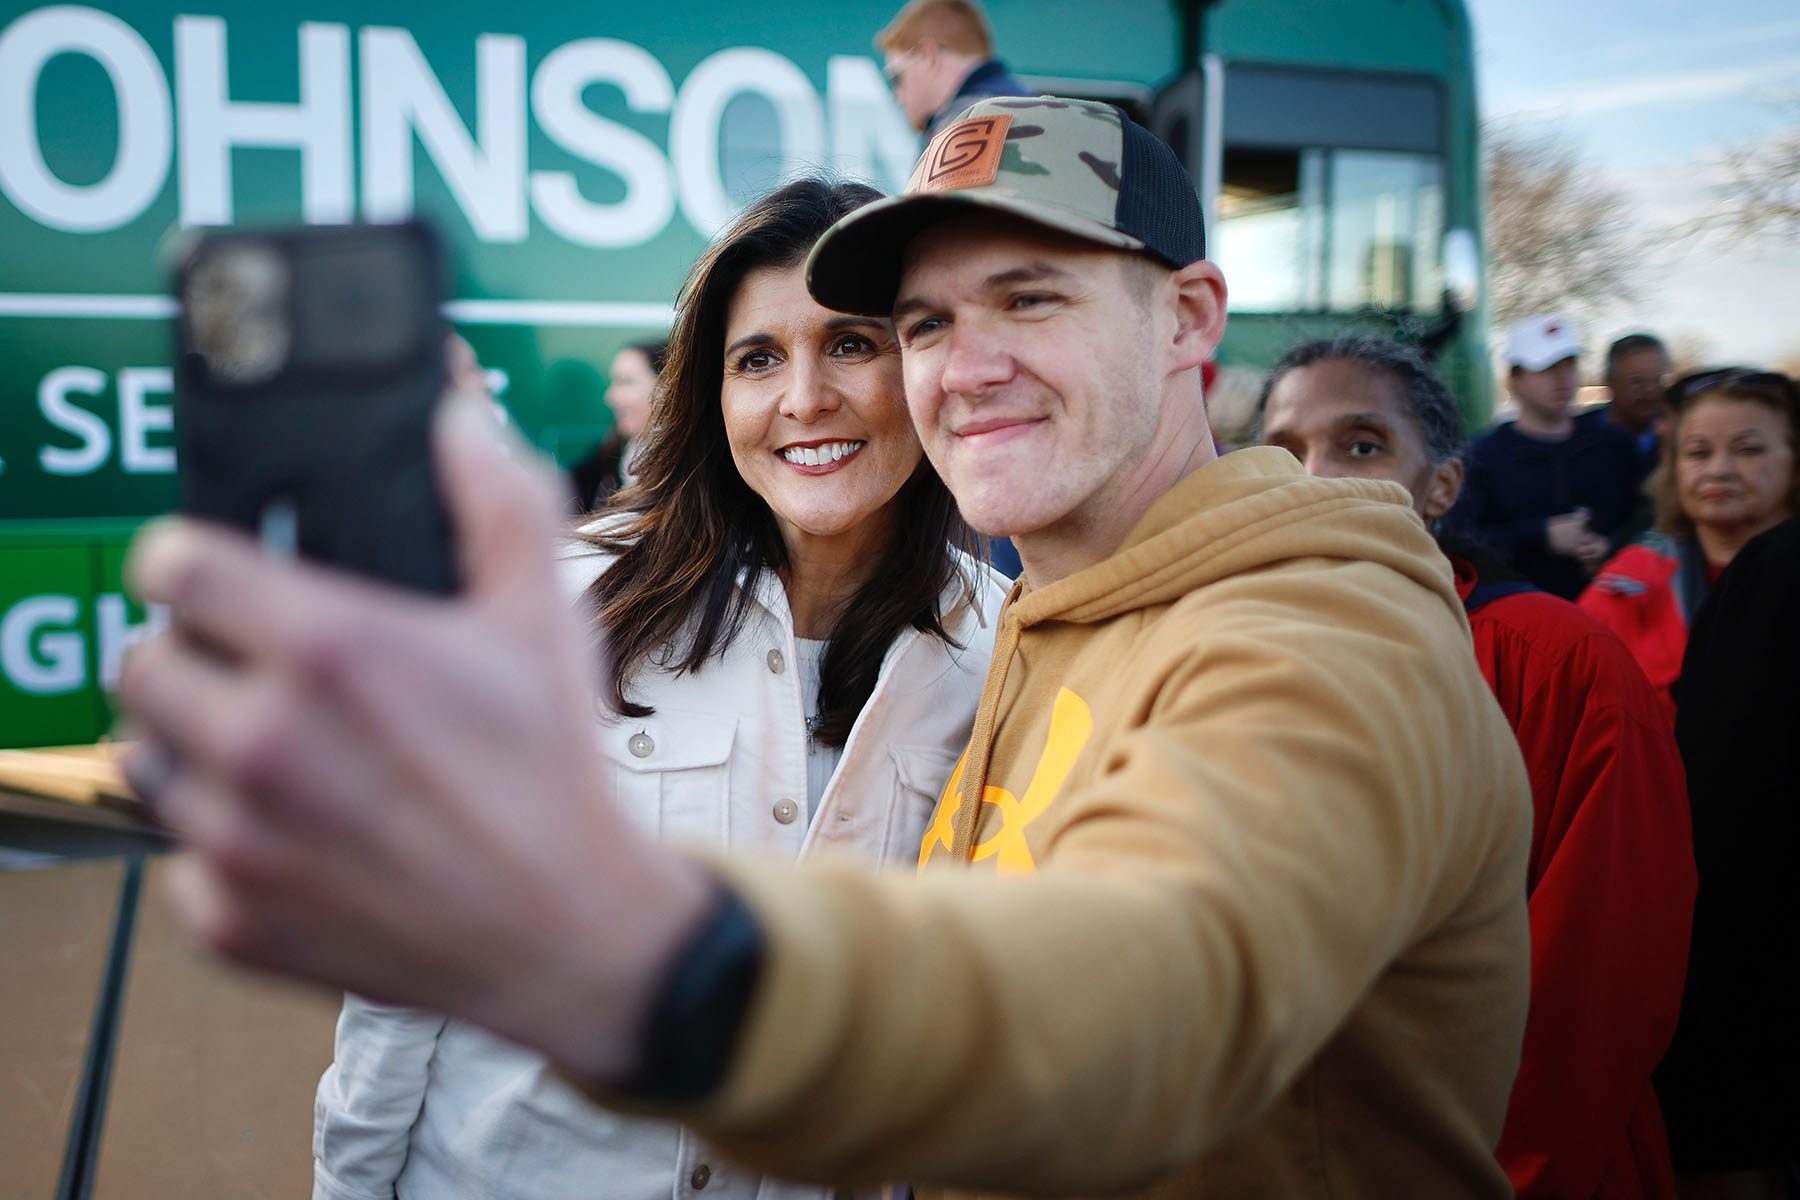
(699,1008)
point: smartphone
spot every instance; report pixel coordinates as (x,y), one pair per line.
(310,362)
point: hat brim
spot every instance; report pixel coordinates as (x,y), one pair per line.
(855,267)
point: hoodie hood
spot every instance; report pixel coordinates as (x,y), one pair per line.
(1251,509)
(1238,515)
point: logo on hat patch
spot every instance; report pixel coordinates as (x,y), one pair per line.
(965,155)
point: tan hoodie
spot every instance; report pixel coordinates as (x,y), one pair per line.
(1247,912)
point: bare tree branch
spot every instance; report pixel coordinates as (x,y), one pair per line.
(1758,193)
(1560,237)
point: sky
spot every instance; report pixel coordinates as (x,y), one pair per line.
(1651,91)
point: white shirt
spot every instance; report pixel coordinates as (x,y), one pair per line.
(422,1108)
(821,759)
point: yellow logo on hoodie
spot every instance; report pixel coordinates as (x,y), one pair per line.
(1071,724)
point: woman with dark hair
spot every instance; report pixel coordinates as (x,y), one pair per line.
(1610,881)
(1728,471)
(631,382)
(796,637)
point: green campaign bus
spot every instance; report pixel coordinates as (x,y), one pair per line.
(578,157)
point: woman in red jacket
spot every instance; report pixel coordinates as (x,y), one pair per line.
(1610,880)
(1727,474)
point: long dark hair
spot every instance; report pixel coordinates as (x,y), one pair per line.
(689,527)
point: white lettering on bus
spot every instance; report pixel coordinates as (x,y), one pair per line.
(694,129)
(399,100)
(870,138)
(117,633)
(401,97)
(556,103)
(40,655)
(43,650)
(94,434)
(212,124)
(140,95)
(139,418)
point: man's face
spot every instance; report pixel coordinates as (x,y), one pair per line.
(1636,383)
(915,76)
(1546,394)
(1345,419)
(1031,372)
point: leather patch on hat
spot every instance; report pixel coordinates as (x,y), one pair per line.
(965,155)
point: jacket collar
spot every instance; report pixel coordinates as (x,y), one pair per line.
(988,72)
(961,597)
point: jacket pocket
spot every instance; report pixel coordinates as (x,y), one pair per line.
(675,772)
(920,773)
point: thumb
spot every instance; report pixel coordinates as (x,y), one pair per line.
(505,511)
(463,369)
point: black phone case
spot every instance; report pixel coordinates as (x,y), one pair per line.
(310,364)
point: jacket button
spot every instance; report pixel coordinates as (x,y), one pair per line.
(640,745)
(701,1177)
(786,811)
(775,661)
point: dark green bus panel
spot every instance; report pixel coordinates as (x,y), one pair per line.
(577,159)
(1350,194)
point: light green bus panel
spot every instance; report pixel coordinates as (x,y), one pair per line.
(577,158)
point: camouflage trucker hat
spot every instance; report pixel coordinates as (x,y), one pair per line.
(1074,166)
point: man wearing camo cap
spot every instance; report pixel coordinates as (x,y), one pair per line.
(1225,897)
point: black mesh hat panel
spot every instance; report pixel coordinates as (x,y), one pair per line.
(1158,204)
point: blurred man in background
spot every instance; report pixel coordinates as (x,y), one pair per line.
(1637,371)
(940,60)
(1547,493)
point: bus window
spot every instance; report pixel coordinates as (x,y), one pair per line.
(1387,220)
(1332,196)
(1331,230)
(1271,228)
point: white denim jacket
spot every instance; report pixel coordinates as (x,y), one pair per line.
(423,1108)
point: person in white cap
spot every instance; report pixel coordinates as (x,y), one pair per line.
(1544,491)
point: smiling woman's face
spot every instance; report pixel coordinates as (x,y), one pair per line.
(814,410)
